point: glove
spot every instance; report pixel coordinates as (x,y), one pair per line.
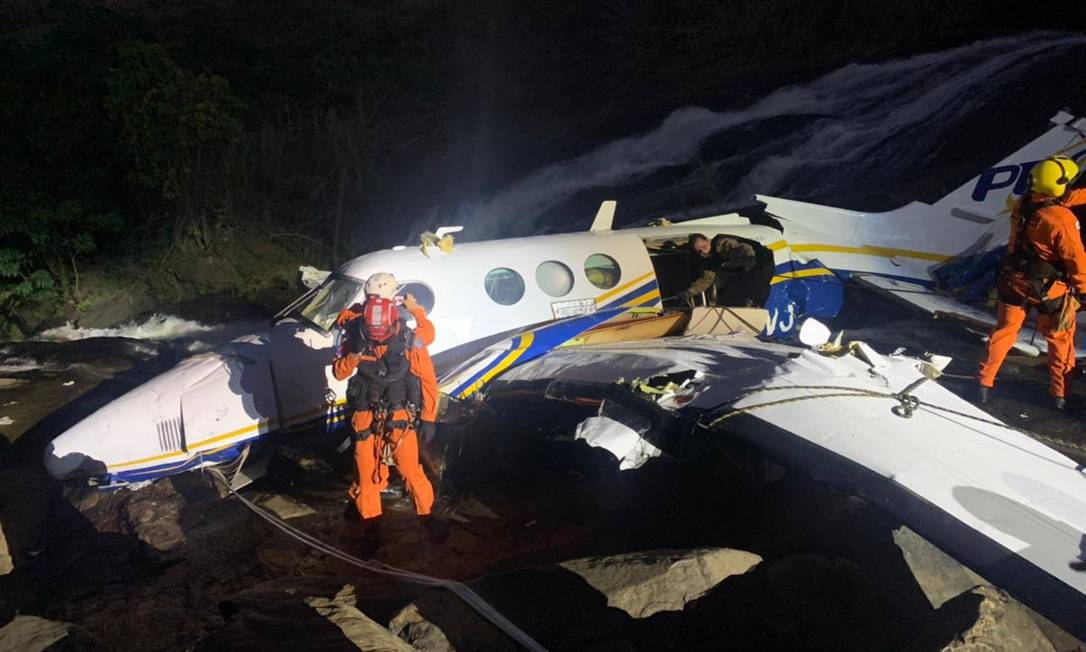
(686,297)
(427,430)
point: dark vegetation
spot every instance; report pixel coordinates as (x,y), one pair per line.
(154,151)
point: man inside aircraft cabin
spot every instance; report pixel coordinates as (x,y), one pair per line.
(1045,268)
(728,273)
(392,391)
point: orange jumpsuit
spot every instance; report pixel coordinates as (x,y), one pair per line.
(403,442)
(1054,233)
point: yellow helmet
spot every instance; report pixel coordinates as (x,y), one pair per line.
(1051,176)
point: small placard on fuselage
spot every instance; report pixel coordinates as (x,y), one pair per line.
(562,309)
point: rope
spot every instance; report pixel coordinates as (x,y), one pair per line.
(908,404)
(458,588)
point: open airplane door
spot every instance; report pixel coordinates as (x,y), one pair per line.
(232,405)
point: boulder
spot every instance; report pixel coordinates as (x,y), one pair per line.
(153,515)
(359,629)
(34,634)
(207,273)
(113,309)
(983,618)
(411,626)
(644,583)
(287,508)
(593,603)
(6,565)
(312,612)
(939,576)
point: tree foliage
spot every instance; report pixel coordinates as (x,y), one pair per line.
(179,133)
(56,204)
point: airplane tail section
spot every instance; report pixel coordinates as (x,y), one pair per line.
(909,242)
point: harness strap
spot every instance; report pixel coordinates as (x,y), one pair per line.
(1039,273)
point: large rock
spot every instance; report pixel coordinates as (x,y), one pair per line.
(359,629)
(939,576)
(110,310)
(411,626)
(153,515)
(205,272)
(6,565)
(644,583)
(297,613)
(287,508)
(594,603)
(983,619)
(34,634)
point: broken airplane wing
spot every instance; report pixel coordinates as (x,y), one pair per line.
(1006,506)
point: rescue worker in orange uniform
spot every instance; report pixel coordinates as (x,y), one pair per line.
(1045,268)
(392,389)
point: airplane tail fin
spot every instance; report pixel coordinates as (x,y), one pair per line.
(917,237)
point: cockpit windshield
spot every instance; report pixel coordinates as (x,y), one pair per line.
(324,305)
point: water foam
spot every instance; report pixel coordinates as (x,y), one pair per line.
(156,327)
(855,111)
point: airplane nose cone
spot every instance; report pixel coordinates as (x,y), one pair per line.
(70,456)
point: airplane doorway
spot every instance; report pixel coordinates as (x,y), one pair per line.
(677,266)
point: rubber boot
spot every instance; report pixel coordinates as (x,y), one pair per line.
(984,394)
(1059,402)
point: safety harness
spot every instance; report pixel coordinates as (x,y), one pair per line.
(383,383)
(1026,261)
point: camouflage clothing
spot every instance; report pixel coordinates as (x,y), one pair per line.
(727,258)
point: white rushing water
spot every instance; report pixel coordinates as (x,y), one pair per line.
(155,327)
(855,111)
(191,335)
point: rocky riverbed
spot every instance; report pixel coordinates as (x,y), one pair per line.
(576,553)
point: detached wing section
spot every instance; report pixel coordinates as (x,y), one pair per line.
(939,305)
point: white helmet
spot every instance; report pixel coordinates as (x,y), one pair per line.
(381,284)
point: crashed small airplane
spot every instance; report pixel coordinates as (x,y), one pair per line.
(566,316)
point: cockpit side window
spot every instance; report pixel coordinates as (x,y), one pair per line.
(422,292)
(331,297)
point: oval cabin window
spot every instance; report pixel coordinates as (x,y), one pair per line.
(602,271)
(504,286)
(554,278)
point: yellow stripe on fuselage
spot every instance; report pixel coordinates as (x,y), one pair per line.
(644,298)
(193,447)
(622,288)
(509,358)
(865,250)
(802,273)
